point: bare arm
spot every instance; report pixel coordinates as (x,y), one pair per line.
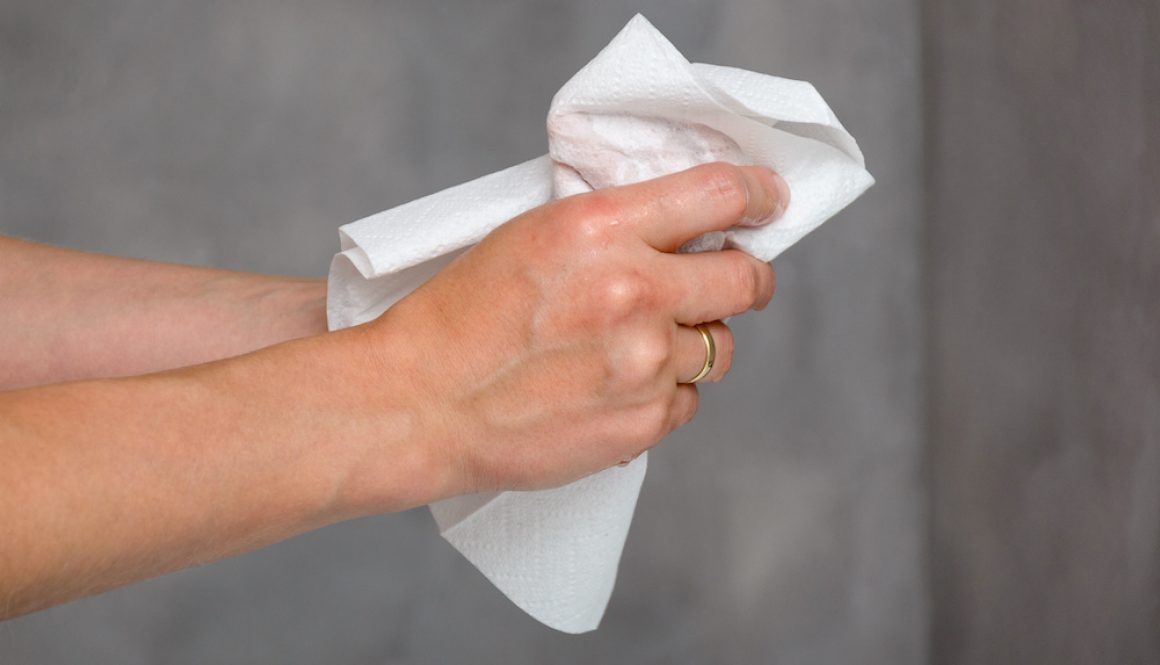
(68,315)
(109,481)
(554,349)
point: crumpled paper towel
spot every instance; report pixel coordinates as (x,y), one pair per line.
(637,111)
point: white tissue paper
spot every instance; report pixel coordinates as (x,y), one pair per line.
(637,111)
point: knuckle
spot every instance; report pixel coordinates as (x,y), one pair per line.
(623,293)
(646,357)
(589,218)
(727,184)
(589,229)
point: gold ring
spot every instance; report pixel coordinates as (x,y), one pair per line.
(710,353)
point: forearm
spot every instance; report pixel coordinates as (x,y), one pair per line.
(553,349)
(107,482)
(70,315)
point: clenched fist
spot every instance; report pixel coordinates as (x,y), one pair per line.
(558,346)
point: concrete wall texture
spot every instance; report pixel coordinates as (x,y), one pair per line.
(1043,255)
(940,443)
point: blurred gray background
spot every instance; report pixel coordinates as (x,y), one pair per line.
(941,443)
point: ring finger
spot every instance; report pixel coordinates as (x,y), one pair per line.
(692,354)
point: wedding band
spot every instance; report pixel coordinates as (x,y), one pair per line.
(710,353)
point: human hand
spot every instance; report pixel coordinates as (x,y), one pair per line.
(557,346)
(553,349)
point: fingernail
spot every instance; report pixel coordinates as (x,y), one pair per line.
(776,194)
(781,192)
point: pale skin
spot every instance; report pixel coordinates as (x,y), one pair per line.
(553,349)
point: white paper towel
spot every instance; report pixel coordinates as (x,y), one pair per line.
(637,111)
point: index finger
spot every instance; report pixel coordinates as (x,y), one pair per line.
(676,208)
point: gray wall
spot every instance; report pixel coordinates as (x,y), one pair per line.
(786,524)
(1044,265)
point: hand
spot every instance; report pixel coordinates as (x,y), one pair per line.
(557,346)
(553,349)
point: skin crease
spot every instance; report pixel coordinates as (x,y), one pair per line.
(551,350)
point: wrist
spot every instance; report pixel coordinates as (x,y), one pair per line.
(293,308)
(399,451)
(343,409)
